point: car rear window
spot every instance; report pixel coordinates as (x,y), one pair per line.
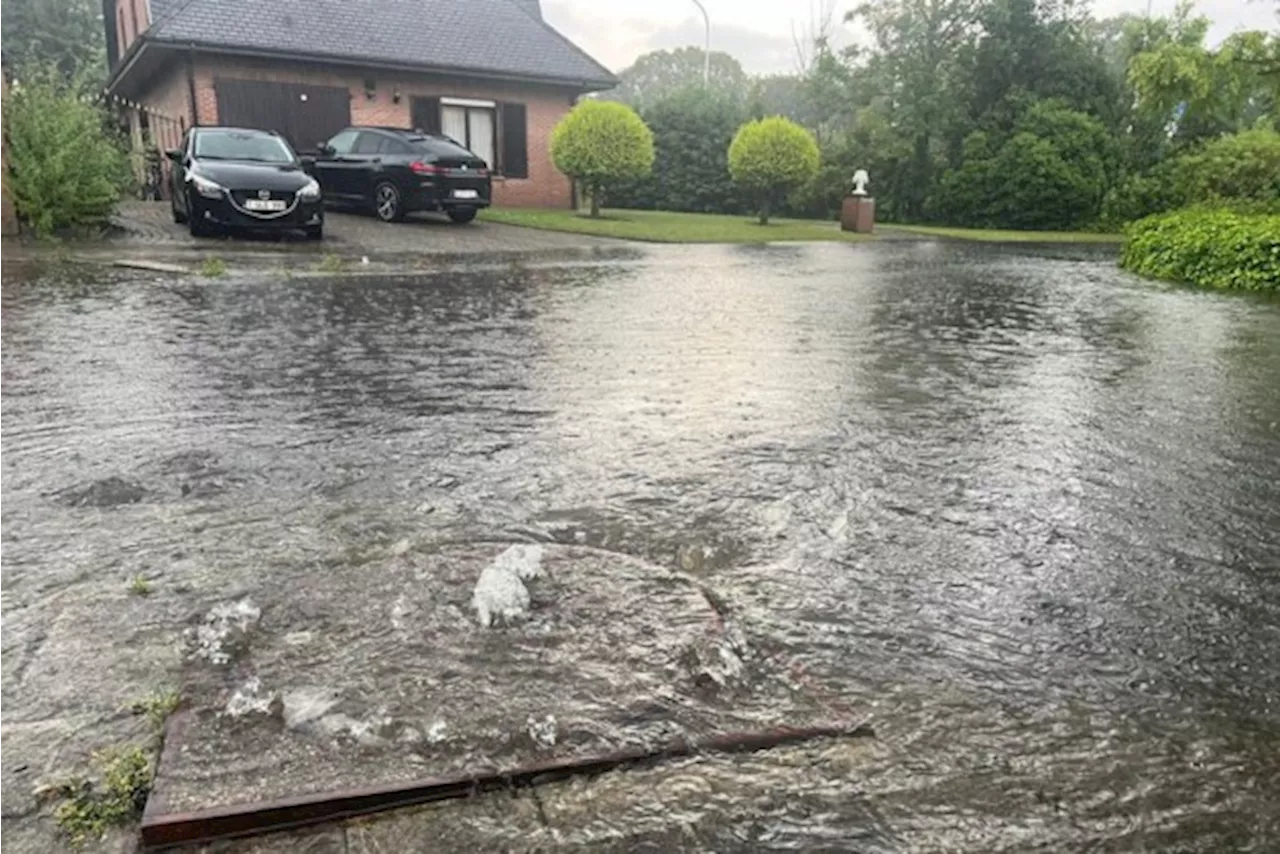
(438,146)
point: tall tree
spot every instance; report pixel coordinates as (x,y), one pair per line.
(660,73)
(67,33)
(915,65)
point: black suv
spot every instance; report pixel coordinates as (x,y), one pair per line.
(391,172)
(241,178)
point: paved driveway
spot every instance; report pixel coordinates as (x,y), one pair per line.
(149,224)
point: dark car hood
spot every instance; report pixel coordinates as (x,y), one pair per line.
(247,175)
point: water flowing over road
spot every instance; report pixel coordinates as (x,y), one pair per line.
(1019,509)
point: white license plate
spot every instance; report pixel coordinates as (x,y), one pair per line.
(264,204)
(466,194)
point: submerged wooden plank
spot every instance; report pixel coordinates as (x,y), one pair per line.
(163,830)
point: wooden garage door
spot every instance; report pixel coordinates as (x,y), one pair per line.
(306,115)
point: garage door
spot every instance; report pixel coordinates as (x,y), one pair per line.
(306,115)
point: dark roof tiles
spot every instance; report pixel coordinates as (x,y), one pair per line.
(487,36)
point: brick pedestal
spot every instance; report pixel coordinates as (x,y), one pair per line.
(858,214)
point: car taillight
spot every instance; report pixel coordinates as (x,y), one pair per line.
(420,168)
(482,173)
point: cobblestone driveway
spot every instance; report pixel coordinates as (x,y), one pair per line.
(149,224)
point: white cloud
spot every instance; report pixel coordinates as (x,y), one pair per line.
(759,32)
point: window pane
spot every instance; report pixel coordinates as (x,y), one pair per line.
(482,134)
(453,123)
(341,144)
(368,143)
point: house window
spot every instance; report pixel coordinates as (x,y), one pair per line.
(496,132)
(472,123)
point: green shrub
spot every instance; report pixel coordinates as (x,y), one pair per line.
(1212,248)
(65,168)
(1049,174)
(1241,167)
(692,129)
(602,144)
(771,157)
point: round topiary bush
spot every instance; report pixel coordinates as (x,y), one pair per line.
(770,157)
(601,144)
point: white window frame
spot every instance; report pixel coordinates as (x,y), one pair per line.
(470,104)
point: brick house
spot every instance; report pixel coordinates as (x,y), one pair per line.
(490,73)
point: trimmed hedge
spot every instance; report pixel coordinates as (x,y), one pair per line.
(1209,247)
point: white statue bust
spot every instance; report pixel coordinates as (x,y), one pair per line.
(860,181)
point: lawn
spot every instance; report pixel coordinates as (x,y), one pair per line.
(1000,236)
(669,227)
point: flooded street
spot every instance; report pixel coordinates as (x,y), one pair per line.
(1019,510)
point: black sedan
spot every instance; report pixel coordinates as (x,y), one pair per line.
(391,172)
(226,178)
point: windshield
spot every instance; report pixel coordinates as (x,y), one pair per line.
(233,145)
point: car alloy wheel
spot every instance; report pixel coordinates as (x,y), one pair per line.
(386,202)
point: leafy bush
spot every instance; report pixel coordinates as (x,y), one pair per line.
(602,144)
(65,167)
(1240,167)
(1212,248)
(1050,174)
(1141,195)
(1240,171)
(692,130)
(770,157)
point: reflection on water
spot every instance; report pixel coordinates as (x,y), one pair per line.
(1023,509)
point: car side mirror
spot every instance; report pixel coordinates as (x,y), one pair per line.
(324,149)
(174,154)
(307,162)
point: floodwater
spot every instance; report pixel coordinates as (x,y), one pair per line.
(1019,509)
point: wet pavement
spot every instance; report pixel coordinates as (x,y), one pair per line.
(1018,508)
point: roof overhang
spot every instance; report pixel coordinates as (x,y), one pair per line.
(146,56)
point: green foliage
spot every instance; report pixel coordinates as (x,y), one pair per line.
(602,144)
(1211,248)
(659,74)
(692,130)
(770,157)
(1240,167)
(66,169)
(157,706)
(1240,171)
(89,811)
(139,586)
(213,267)
(330,263)
(1050,174)
(64,33)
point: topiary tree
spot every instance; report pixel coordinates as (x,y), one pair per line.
(770,157)
(601,144)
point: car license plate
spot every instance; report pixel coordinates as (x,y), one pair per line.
(264,204)
(466,194)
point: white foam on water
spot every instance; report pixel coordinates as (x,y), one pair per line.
(500,593)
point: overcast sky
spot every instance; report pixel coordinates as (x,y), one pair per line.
(758,32)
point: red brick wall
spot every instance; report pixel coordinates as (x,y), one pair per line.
(131,19)
(545,186)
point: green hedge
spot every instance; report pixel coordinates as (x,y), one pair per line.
(1210,247)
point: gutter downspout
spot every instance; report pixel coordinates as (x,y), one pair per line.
(191,86)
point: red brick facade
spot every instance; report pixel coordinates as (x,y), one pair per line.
(388,103)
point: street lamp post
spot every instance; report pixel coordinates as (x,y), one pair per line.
(706,50)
